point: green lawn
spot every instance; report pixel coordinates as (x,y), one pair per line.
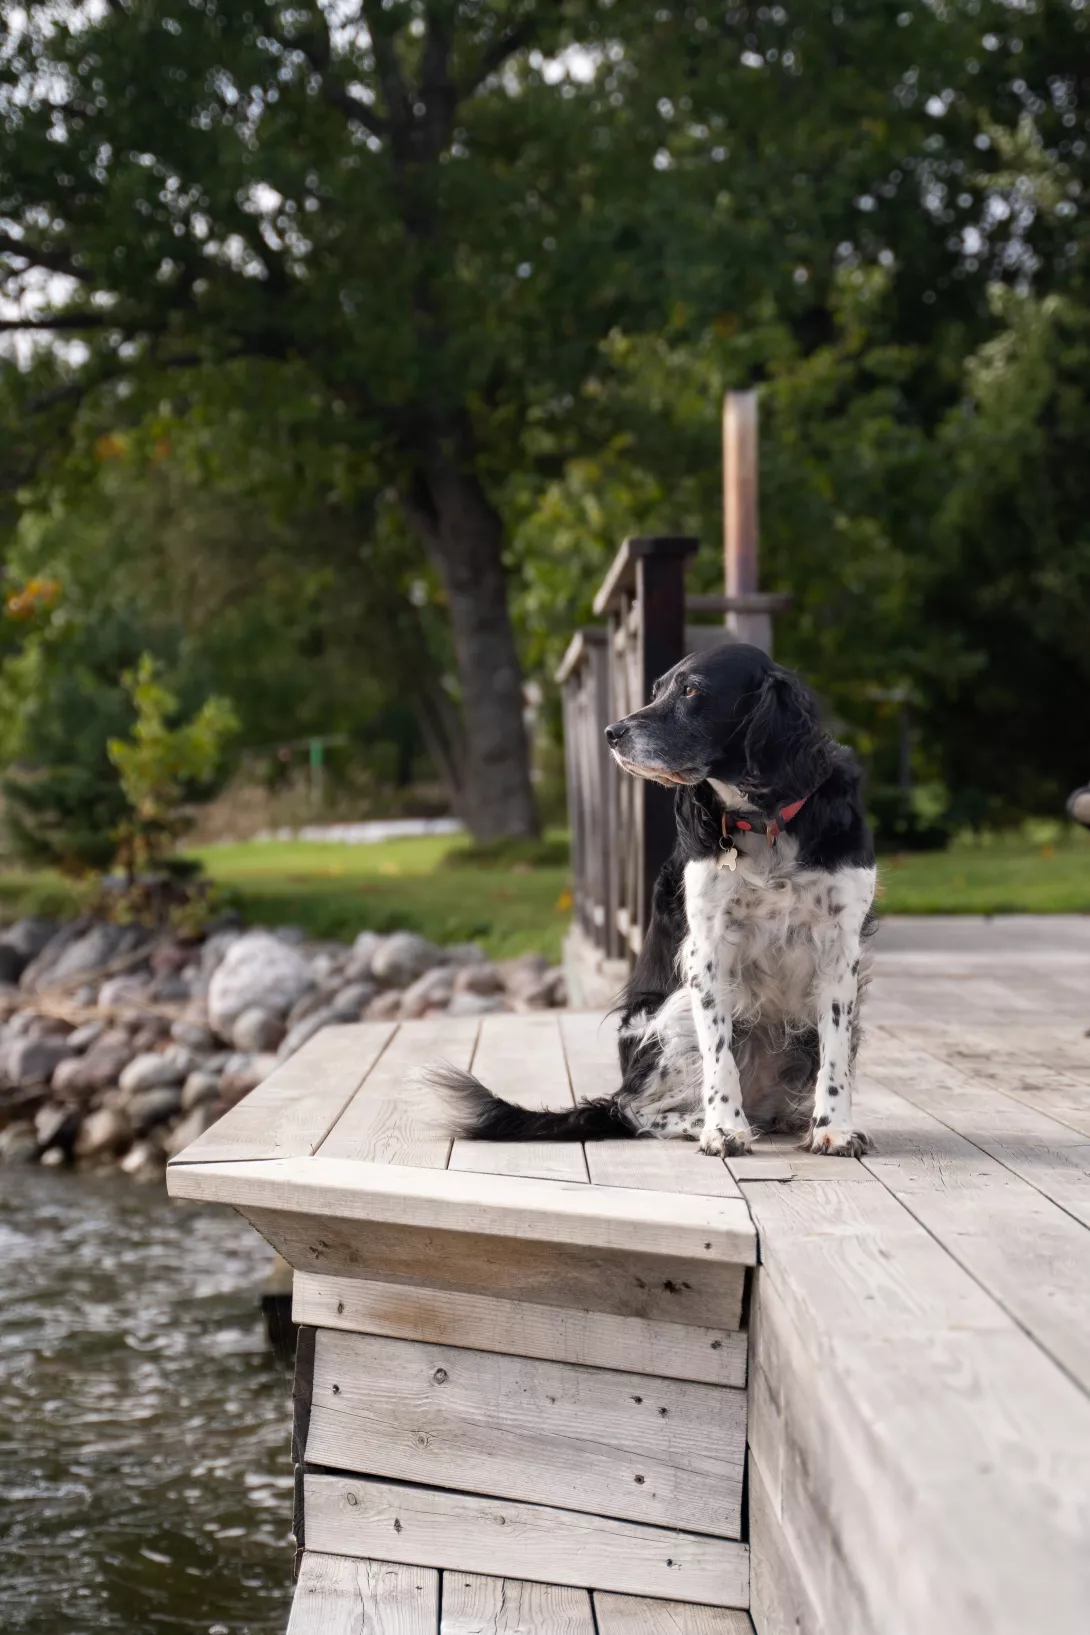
(335,891)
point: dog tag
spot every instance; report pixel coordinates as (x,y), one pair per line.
(728,859)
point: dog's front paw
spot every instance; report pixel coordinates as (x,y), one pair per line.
(837,1142)
(725,1143)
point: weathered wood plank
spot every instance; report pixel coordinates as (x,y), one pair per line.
(396,1118)
(668,1452)
(354,1516)
(597,1339)
(475,1605)
(521,1059)
(590,1047)
(656,1287)
(339,1595)
(779,1600)
(620,1218)
(290,1114)
(910,1405)
(659,1166)
(636,1615)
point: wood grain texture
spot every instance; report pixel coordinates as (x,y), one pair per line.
(353,1516)
(636,1615)
(396,1117)
(521,1059)
(655,1287)
(590,1049)
(668,1452)
(555,1212)
(337,1595)
(519,1328)
(290,1114)
(910,1406)
(475,1605)
(780,1603)
(659,1166)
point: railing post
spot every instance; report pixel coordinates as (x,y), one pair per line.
(741,532)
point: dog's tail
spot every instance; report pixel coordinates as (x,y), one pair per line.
(478,1115)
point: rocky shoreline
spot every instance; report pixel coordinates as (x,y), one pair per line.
(119,1045)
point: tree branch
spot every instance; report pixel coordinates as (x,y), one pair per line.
(318,52)
(64,320)
(394,89)
(52,260)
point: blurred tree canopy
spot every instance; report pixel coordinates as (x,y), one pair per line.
(382,320)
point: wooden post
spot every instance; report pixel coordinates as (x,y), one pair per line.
(740,516)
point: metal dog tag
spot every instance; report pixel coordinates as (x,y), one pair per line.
(728,859)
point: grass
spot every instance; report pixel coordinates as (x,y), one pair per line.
(517,900)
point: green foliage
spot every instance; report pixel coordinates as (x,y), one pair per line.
(161,767)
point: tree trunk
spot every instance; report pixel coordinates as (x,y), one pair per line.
(463,537)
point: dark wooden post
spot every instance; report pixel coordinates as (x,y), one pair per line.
(643,596)
(741,531)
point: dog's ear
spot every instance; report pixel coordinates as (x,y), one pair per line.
(787,754)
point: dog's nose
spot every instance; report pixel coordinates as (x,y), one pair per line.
(615,733)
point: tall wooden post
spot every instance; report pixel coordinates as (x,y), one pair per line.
(740,517)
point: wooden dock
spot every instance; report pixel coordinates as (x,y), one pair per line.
(550,1387)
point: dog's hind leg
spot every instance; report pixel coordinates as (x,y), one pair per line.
(837,997)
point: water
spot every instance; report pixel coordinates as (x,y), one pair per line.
(145,1473)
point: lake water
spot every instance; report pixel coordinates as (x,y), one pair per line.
(145,1471)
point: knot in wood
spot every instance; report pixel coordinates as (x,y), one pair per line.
(440,1376)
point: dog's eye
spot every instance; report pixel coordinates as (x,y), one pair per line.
(690,692)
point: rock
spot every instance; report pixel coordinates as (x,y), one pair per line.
(242,1073)
(29,936)
(47,956)
(197,1120)
(465,953)
(364,949)
(297,1036)
(153,1068)
(122,990)
(18,1143)
(520,975)
(170,990)
(402,958)
(475,1004)
(256,1029)
(383,1007)
(199,1087)
(327,965)
(433,988)
(95,947)
(32,1060)
(194,1035)
(147,1108)
(102,1066)
(103,1132)
(477,979)
(12,963)
(214,949)
(56,1126)
(257,969)
(293,935)
(151,1030)
(144,1162)
(86,1036)
(53,1157)
(169,958)
(548,990)
(349,1002)
(314,1000)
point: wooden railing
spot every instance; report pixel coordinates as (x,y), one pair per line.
(622,829)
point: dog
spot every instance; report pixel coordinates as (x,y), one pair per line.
(742,1012)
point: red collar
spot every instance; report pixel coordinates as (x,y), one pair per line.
(773,828)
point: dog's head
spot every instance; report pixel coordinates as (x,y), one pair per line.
(732,715)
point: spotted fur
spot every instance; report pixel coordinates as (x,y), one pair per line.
(742,1013)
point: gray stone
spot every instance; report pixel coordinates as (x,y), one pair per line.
(48,955)
(144,1161)
(153,1068)
(293,935)
(214,948)
(478,979)
(465,953)
(122,990)
(433,988)
(475,1004)
(12,963)
(194,1035)
(244,1073)
(148,1108)
(404,957)
(256,1029)
(97,946)
(170,989)
(33,1060)
(29,936)
(522,974)
(364,949)
(18,1143)
(257,969)
(297,1036)
(326,966)
(348,1003)
(86,1036)
(53,1157)
(102,1066)
(103,1132)
(383,1006)
(55,1126)
(196,1121)
(199,1087)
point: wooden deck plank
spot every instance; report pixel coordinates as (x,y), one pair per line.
(476,1605)
(908,1404)
(1031,1256)
(637,1615)
(520,1328)
(590,1048)
(353,1516)
(995,1059)
(290,1114)
(668,1452)
(659,1166)
(552,1212)
(339,1595)
(521,1059)
(395,1118)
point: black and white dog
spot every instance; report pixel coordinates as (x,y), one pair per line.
(742,1013)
